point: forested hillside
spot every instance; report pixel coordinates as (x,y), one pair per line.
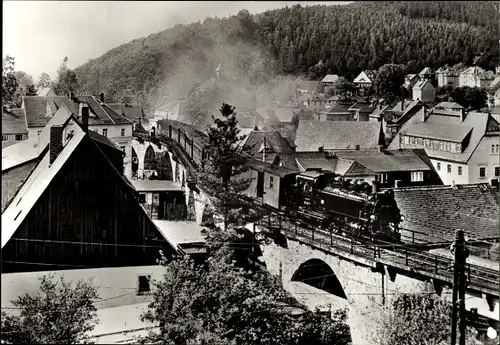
(252,50)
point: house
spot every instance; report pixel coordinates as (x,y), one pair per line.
(361,111)
(102,118)
(410,81)
(308,87)
(463,147)
(76,194)
(131,111)
(426,73)
(475,77)
(328,80)
(389,168)
(364,81)
(494,92)
(162,199)
(46,92)
(473,208)
(338,111)
(13,126)
(265,145)
(77,216)
(338,135)
(447,77)
(424,91)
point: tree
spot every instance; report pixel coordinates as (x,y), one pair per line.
(472,98)
(417,319)
(317,71)
(59,314)
(220,303)
(44,81)
(9,81)
(342,87)
(31,91)
(66,80)
(389,82)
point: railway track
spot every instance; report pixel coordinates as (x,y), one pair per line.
(478,278)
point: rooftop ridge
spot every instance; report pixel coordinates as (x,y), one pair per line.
(433,187)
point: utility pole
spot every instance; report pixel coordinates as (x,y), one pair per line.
(461,254)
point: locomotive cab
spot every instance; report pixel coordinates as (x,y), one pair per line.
(386,217)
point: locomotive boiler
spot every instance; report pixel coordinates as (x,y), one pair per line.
(351,207)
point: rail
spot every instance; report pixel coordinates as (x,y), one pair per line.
(404,257)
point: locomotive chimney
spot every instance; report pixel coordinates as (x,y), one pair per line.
(375,187)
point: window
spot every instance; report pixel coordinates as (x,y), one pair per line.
(420,142)
(271,182)
(123,132)
(441,146)
(19,137)
(459,170)
(482,172)
(417,176)
(406,140)
(448,146)
(412,141)
(143,286)
(449,168)
(492,148)
(439,166)
(105,132)
(497,172)
(496,148)
(5,137)
(142,198)
(322,202)
(427,143)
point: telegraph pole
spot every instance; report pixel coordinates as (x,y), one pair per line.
(461,254)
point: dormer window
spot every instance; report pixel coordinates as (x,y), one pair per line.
(104,132)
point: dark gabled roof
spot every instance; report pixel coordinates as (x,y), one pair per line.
(439,131)
(438,211)
(132,112)
(254,142)
(258,165)
(290,160)
(103,140)
(14,122)
(105,115)
(35,108)
(337,135)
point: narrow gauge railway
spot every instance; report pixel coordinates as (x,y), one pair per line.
(484,279)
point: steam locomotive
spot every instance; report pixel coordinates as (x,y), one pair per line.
(332,202)
(355,208)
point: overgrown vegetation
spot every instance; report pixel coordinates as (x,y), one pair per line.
(60,313)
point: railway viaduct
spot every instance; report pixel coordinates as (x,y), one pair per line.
(321,272)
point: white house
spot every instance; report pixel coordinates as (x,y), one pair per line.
(447,77)
(424,91)
(464,148)
(475,77)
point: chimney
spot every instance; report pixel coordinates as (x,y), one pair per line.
(153,133)
(56,142)
(424,114)
(71,96)
(357,147)
(85,118)
(170,131)
(320,149)
(102,97)
(402,105)
(462,115)
(375,187)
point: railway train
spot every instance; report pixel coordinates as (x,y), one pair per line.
(330,201)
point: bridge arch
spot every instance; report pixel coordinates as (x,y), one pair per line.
(165,167)
(319,274)
(150,162)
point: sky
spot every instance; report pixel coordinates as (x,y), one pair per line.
(39,34)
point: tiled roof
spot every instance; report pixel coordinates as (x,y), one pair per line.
(443,131)
(105,115)
(268,167)
(426,70)
(330,78)
(439,210)
(335,135)
(307,160)
(14,122)
(36,108)
(255,140)
(476,121)
(386,161)
(362,107)
(421,84)
(448,105)
(337,108)
(130,111)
